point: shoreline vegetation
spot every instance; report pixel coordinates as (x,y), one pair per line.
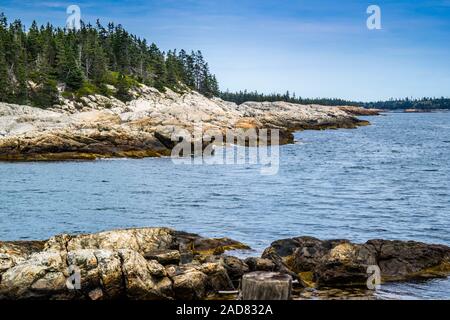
(40,66)
(164,264)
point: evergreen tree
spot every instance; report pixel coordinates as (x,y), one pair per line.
(157,68)
(123,88)
(5,83)
(68,68)
(34,63)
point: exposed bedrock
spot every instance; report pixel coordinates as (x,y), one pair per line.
(143,264)
(334,263)
(99,127)
(160,263)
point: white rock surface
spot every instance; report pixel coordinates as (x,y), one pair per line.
(104,126)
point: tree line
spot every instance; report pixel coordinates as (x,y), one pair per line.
(425,103)
(392,104)
(35,63)
(244,96)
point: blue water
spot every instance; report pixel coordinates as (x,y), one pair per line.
(390,180)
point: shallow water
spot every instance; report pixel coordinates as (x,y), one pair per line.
(390,180)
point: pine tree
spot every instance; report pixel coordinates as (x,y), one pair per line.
(69,70)
(157,68)
(19,62)
(123,88)
(34,63)
(5,87)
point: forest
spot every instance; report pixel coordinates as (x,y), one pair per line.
(38,64)
(392,104)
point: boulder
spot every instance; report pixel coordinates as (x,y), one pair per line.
(144,280)
(337,263)
(40,275)
(235,267)
(190,284)
(164,256)
(260,264)
(12,253)
(215,246)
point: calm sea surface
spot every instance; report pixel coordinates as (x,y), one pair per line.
(390,180)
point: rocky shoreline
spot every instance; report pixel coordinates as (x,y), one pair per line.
(161,264)
(103,127)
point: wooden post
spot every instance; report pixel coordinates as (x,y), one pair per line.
(266,286)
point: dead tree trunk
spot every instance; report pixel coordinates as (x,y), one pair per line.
(266,286)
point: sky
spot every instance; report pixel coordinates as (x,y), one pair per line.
(315,48)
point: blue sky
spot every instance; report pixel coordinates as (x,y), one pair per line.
(316,48)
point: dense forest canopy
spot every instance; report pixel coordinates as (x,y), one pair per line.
(392,104)
(42,63)
(34,63)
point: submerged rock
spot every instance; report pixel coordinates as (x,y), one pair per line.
(334,263)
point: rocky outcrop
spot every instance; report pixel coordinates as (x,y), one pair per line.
(163,264)
(133,264)
(358,111)
(335,263)
(99,127)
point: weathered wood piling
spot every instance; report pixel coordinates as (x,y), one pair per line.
(266,286)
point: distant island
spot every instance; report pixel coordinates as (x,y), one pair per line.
(406,104)
(40,66)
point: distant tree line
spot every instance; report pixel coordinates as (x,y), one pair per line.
(392,104)
(34,63)
(407,103)
(243,96)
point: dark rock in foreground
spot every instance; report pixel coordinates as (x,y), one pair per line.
(335,263)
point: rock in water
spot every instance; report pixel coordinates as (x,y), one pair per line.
(261,285)
(337,263)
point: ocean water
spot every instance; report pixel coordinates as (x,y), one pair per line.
(390,180)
